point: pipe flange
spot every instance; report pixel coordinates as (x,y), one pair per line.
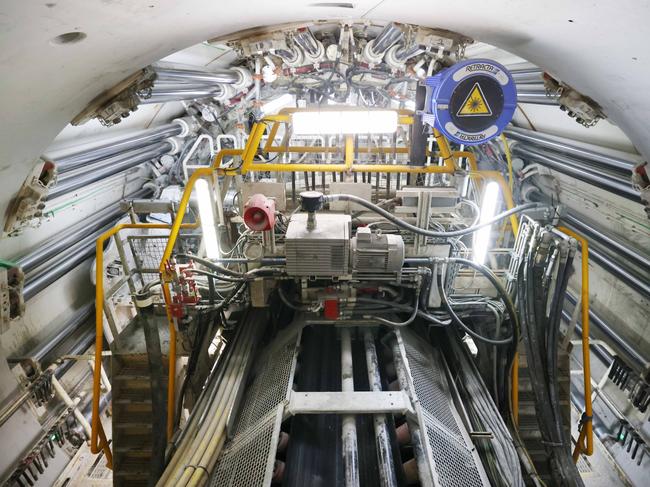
(245,79)
(391,58)
(176,143)
(297,60)
(318,57)
(143,300)
(369,55)
(227,92)
(188,124)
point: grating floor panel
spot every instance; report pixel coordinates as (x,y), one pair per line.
(247,461)
(269,388)
(455,461)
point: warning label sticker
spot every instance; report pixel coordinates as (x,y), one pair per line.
(475,105)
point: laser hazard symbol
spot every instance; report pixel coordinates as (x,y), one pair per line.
(475,105)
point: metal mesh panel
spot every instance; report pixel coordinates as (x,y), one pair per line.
(269,388)
(431,386)
(148,251)
(245,461)
(454,462)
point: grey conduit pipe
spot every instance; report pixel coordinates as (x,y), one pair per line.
(52,274)
(579,164)
(527,76)
(60,267)
(108,167)
(555,143)
(535,97)
(614,268)
(583,174)
(607,241)
(59,243)
(227,76)
(44,348)
(614,337)
(145,138)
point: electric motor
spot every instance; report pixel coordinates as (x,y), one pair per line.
(373,253)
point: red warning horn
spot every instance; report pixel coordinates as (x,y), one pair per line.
(259,213)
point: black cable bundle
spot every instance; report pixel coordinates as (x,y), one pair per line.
(541,285)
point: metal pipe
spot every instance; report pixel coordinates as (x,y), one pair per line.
(306,40)
(33,287)
(188,92)
(227,76)
(386,38)
(58,243)
(387,477)
(108,167)
(609,332)
(524,77)
(558,144)
(616,187)
(75,160)
(405,53)
(607,241)
(350,452)
(535,98)
(39,282)
(581,165)
(73,324)
(619,271)
(68,251)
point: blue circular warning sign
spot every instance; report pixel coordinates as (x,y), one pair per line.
(470,102)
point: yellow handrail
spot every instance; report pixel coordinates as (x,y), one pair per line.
(97,430)
(247,155)
(587,430)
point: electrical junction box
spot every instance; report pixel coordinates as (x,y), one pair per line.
(362,190)
(470,102)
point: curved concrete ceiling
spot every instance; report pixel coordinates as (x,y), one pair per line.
(597,46)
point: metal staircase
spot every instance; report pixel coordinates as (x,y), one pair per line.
(137,398)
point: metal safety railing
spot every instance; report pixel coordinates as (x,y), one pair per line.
(450,164)
(97,430)
(585,442)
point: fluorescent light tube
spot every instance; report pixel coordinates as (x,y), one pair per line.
(274,106)
(344,122)
(206,213)
(488,210)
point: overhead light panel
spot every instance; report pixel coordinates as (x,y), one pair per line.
(206,213)
(488,210)
(344,122)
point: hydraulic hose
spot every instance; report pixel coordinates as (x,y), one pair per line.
(422,231)
(500,290)
(405,307)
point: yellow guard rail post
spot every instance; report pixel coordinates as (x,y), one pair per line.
(405,118)
(247,155)
(97,430)
(165,278)
(586,432)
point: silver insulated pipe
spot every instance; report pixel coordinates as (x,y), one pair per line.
(386,38)
(306,40)
(226,76)
(141,139)
(109,166)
